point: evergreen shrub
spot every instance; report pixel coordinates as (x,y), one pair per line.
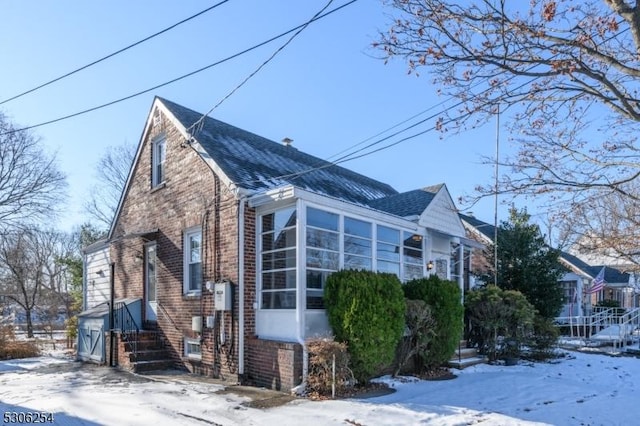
(443,298)
(498,315)
(366,311)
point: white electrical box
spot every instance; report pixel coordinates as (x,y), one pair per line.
(208,285)
(211,321)
(196,324)
(222,296)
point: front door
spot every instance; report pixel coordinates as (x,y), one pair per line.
(151,305)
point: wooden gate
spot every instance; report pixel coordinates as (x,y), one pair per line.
(91,344)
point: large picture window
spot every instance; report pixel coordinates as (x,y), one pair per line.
(193,261)
(278,253)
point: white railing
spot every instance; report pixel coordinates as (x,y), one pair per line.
(622,326)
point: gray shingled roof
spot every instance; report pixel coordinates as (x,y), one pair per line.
(258,164)
(578,263)
(485,228)
(411,203)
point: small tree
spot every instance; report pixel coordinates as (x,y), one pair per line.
(443,298)
(366,311)
(527,264)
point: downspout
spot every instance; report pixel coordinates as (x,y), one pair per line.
(301,300)
(85,281)
(112,285)
(461,271)
(241,202)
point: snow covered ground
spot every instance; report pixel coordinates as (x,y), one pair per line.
(580,389)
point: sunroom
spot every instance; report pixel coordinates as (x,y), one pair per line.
(302,237)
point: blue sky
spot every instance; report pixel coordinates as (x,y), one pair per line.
(326,90)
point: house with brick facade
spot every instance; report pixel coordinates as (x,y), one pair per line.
(225,240)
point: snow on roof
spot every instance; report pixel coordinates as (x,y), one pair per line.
(258,164)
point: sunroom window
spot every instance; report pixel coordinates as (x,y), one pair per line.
(388,250)
(412,256)
(279,259)
(323,253)
(357,244)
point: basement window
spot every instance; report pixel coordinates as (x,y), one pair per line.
(192,348)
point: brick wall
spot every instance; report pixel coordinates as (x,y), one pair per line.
(191,196)
(274,365)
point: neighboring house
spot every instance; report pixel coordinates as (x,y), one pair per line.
(227,239)
(93,321)
(576,282)
(96,274)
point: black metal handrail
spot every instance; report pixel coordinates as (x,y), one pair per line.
(124,322)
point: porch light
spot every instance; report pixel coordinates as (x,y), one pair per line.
(430,265)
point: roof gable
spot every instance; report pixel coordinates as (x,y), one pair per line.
(257,164)
(441,214)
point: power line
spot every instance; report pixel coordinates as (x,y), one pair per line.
(199,70)
(198,124)
(114,53)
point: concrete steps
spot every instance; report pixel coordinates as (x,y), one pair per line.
(465,357)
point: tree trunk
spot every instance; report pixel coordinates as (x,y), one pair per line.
(27,312)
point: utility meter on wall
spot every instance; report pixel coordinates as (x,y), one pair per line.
(222,296)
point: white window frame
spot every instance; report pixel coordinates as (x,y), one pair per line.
(192,355)
(186,247)
(158,161)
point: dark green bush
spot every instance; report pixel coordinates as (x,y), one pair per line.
(496,314)
(608,303)
(420,329)
(366,311)
(443,298)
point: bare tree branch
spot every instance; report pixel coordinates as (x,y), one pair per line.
(568,74)
(112,173)
(31,185)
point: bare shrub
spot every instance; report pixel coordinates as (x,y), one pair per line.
(320,374)
(19,349)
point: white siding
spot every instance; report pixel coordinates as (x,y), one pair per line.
(97,278)
(442,215)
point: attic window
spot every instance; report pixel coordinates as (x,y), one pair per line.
(158,157)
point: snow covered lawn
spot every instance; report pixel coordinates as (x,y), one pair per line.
(582,389)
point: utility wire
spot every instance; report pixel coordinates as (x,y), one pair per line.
(199,70)
(114,53)
(198,124)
